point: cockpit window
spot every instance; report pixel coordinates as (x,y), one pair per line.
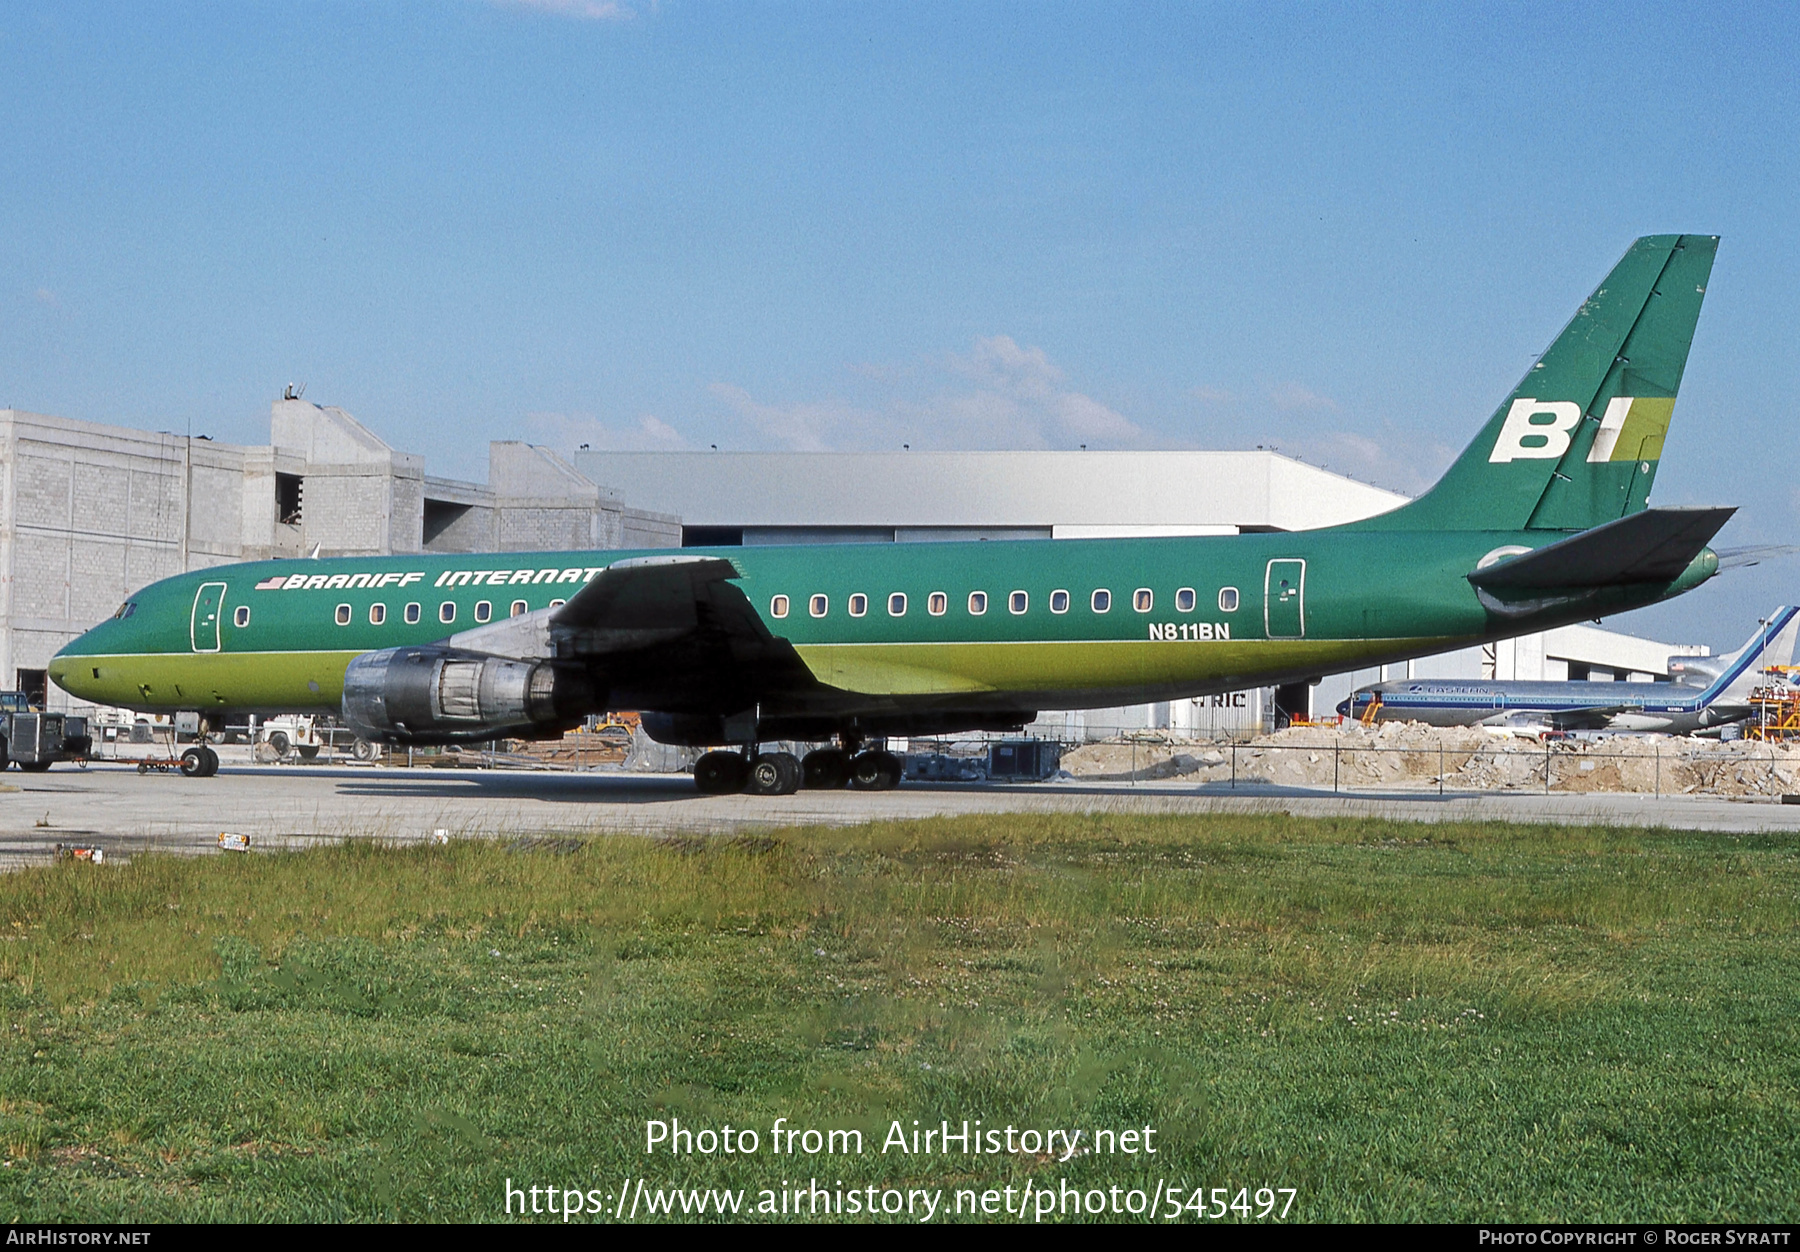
(125,610)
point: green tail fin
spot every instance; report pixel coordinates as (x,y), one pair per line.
(1578,441)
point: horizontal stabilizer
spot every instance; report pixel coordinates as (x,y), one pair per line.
(1653,546)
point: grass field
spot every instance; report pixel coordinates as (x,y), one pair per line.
(1400,1022)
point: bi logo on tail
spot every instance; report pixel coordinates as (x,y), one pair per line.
(1630,423)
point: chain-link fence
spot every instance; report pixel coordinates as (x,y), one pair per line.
(1452,762)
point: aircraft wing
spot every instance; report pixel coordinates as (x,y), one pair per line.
(1598,717)
(1595,717)
(640,605)
(648,600)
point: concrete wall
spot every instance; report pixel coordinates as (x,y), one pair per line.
(87,514)
(90,513)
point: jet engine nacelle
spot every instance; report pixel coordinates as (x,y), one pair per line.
(428,695)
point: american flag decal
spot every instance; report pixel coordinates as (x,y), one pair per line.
(270,584)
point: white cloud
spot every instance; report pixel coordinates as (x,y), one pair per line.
(1000,394)
(1293,396)
(565,432)
(816,427)
(586,10)
(1020,396)
(1402,462)
(998,361)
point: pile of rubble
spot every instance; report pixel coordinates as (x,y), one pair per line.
(1409,755)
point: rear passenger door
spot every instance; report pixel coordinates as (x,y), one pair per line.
(1284,600)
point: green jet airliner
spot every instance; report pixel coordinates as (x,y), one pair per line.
(1542,521)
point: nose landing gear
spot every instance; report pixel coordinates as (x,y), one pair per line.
(200,762)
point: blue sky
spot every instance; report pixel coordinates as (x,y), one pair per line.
(1341,230)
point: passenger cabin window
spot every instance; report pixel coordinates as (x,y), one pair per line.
(520,608)
(818,606)
(937,603)
(412,613)
(977,603)
(1228,599)
(1017,602)
(447,611)
(859,604)
(484,611)
(1102,601)
(1059,602)
(1184,600)
(1142,600)
(778,607)
(343,615)
(377,614)
(897,604)
(241,615)
(555,604)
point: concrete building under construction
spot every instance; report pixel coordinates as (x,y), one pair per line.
(89,513)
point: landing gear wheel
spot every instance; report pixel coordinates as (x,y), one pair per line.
(875,771)
(34,767)
(774,774)
(824,770)
(212,762)
(721,773)
(193,763)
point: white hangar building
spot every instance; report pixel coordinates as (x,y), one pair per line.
(883,497)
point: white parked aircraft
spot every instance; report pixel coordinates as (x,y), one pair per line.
(1708,692)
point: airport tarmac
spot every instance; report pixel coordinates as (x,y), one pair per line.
(114,807)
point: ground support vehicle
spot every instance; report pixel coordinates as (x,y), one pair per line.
(37,740)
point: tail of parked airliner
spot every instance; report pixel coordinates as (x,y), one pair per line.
(1578,442)
(1742,671)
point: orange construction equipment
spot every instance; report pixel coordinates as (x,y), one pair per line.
(1776,706)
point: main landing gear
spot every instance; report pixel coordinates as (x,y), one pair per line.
(782,774)
(764,774)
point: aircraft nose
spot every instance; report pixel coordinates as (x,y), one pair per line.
(1344,706)
(66,673)
(77,671)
